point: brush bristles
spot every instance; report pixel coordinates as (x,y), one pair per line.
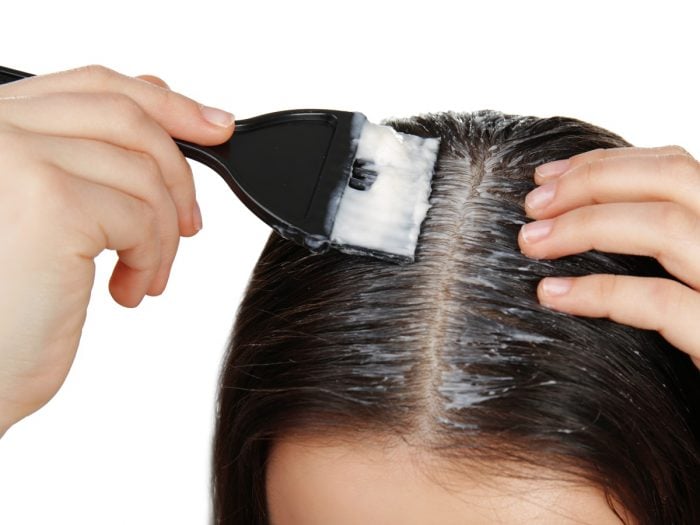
(387,216)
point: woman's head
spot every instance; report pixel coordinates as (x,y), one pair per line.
(450,370)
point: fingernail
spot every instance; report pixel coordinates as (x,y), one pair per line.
(554,286)
(534,231)
(218,117)
(553,169)
(197,216)
(540,197)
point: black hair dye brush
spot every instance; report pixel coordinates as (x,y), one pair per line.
(325,179)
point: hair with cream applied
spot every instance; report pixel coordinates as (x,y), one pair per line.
(453,352)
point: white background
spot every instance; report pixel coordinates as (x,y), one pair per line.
(128,437)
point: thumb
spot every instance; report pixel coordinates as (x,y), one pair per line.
(157,81)
(180,116)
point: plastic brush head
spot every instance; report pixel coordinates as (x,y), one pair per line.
(329,179)
(387,197)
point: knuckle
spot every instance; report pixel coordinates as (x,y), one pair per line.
(674,148)
(149,221)
(674,219)
(166,100)
(127,111)
(607,286)
(153,224)
(43,190)
(663,295)
(46,191)
(148,251)
(584,218)
(169,243)
(590,155)
(96,74)
(183,187)
(159,81)
(149,168)
(152,180)
(684,166)
(151,177)
(592,171)
(153,250)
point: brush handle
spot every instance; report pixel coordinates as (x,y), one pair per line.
(206,155)
(290,167)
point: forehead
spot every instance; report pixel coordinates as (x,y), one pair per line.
(310,482)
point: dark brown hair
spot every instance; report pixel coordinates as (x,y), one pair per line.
(456,349)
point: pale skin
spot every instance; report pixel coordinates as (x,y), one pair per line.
(356,481)
(87,163)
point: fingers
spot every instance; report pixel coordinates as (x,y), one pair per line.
(133,173)
(664,230)
(624,177)
(641,201)
(179,115)
(643,302)
(98,217)
(551,170)
(117,120)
